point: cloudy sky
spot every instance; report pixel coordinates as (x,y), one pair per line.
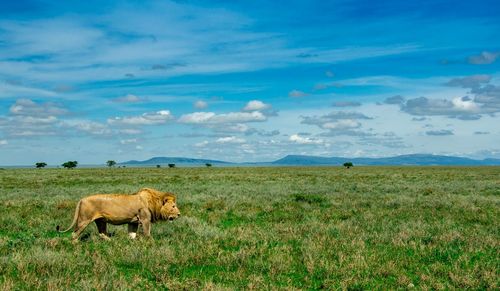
(247,80)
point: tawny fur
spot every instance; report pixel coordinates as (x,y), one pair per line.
(142,208)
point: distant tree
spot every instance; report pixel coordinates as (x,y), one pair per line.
(70,164)
(40,165)
(208,165)
(347,165)
(158,166)
(111,163)
(171,165)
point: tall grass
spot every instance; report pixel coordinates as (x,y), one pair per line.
(260,228)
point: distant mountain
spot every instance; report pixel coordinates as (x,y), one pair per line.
(299,160)
(491,161)
(415,159)
(172,160)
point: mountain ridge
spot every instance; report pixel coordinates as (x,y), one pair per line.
(304,160)
(411,159)
(173,160)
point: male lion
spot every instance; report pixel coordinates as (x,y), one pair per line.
(144,207)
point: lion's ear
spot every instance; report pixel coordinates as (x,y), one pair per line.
(168,198)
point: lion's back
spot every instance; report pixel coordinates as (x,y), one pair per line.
(112,207)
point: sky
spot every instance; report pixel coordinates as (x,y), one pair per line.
(247,80)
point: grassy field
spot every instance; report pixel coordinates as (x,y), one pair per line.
(260,228)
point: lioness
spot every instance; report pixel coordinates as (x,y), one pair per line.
(144,207)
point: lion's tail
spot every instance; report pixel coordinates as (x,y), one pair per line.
(75,218)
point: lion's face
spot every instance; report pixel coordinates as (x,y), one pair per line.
(169,210)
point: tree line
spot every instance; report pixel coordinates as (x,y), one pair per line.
(111,163)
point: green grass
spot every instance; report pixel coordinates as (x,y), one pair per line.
(260,228)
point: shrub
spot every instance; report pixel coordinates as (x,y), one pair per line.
(70,164)
(348,165)
(40,165)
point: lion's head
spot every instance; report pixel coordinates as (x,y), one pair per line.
(169,210)
(162,204)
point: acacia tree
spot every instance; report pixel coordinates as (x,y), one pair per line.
(171,165)
(70,164)
(208,165)
(347,165)
(111,163)
(40,165)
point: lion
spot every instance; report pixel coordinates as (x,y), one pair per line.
(144,207)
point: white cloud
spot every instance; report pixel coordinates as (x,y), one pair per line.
(200,104)
(323,86)
(129,98)
(236,128)
(482,98)
(202,144)
(196,117)
(227,143)
(53,35)
(297,94)
(35,120)
(9,89)
(346,104)
(304,140)
(28,118)
(150,118)
(466,105)
(128,141)
(341,124)
(329,74)
(248,148)
(337,122)
(230,139)
(87,126)
(256,105)
(29,132)
(442,132)
(3,142)
(207,118)
(27,107)
(469,81)
(397,99)
(485,58)
(130,131)
(456,107)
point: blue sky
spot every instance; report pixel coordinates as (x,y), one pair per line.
(247,80)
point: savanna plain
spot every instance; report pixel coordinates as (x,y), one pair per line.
(260,228)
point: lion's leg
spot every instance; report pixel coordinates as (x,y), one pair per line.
(79,228)
(132,230)
(101,227)
(145,220)
(146,225)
